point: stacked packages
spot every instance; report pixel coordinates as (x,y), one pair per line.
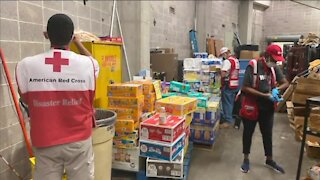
(127,101)
(202,74)
(163,143)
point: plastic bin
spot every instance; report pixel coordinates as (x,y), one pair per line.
(102,143)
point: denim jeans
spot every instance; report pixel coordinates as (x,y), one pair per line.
(227,101)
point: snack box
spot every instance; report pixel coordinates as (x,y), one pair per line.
(147,85)
(188,118)
(126,102)
(126,135)
(148,107)
(179,87)
(165,169)
(151,98)
(150,129)
(169,94)
(162,150)
(199,115)
(125,125)
(126,159)
(186,142)
(176,105)
(203,134)
(123,143)
(128,113)
(125,90)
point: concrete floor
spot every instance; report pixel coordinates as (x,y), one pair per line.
(223,161)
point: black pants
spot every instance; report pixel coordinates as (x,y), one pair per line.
(265,121)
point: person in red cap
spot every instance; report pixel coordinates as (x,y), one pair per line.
(264,87)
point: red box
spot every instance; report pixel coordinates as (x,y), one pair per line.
(150,129)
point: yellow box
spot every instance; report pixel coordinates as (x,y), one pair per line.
(147,86)
(188,118)
(126,125)
(177,105)
(148,107)
(126,102)
(150,98)
(109,58)
(125,90)
(128,113)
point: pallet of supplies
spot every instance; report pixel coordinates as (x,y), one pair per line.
(127,113)
(203,134)
(126,125)
(126,102)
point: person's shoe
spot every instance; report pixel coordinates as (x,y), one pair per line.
(245,167)
(225,125)
(273,165)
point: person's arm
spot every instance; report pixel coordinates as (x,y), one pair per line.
(283,82)
(254,92)
(80,47)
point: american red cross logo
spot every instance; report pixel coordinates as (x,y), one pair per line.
(57,61)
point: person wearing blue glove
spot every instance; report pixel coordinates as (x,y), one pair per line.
(267,94)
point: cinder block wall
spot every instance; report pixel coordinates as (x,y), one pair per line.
(21,27)
(290,18)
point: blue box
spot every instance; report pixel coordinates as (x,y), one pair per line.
(203,55)
(161,150)
(202,134)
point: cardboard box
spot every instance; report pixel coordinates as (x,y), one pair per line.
(179,87)
(210,46)
(308,86)
(150,129)
(128,113)
(126,102)
(124,143)
(218,44)
(192,76)
(176,105)
(125,90)
(126,125)
(200,55)
(167,63)
(169,94)
(203,134)
(298,98)
(147,85)
(314,123)
(161,150)
(313,151)
(245,54)
(126,135)
(165,169)
(126,159)
(188,118)
(199,116)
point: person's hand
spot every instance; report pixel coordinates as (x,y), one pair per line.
(76,38)
(270,97)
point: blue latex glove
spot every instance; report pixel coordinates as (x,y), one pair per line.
(272,98)
(276,95)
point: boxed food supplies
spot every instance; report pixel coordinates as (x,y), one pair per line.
(147,86)
(125,90)
(126,135)
(162,150)
(126,159)
(165,169)
(128,113)
(192,63)
(179,87)
(176,105)
(150,129)
(188,118)
(203,134)
(191,75)
(126,102)
(125,125)
(200,55)
(199,115)
(194,85)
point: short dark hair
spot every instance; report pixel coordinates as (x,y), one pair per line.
(60,29)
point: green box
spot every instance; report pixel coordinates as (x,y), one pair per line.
(179,87)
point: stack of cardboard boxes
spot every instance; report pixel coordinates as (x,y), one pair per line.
(127,101)
(305,88)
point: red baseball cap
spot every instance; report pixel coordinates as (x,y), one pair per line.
(275,51)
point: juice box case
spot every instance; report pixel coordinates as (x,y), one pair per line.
(126,135)
(124,143)
(162,150)
(150,129)
(203,134)
(128,113)
(126,102)
(165,169)
(126,90)
(177,105)
(125,159)
(179,87)
(125,125)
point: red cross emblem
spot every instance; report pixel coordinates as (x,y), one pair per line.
(57,61)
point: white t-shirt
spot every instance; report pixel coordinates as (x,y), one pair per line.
(226,65)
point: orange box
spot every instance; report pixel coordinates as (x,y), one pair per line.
(125,90)
(126,125)
(126,102)
(147,86)
(128,113)
(177,105)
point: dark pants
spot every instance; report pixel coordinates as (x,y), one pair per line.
(265,121)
